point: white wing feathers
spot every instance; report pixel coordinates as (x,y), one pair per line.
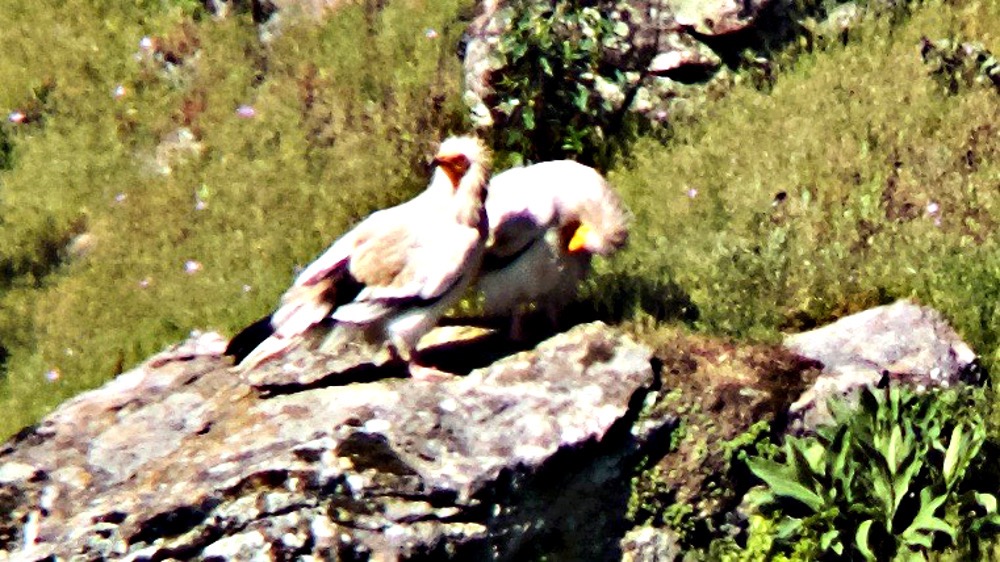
(437,262)
(410,261)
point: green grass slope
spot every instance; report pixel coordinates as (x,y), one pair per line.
(856,181)
(345,114)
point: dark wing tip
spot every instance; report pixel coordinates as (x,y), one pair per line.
(249,338)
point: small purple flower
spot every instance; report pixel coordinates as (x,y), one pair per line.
(16,117)
(692,193)
(119,92)
(191,267)
(121,197)
(52,375)
(144,282)
(200,205)
(246,111)
(933,208)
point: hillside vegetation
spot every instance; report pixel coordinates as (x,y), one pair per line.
(855,179)
(295,142)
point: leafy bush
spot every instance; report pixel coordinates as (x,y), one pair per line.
(883,482)
(548,101)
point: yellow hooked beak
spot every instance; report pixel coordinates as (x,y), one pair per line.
(579,240)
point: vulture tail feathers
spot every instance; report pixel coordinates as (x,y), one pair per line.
(302,308)
(249,338)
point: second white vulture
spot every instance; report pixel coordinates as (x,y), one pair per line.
(393,275)
(546,222)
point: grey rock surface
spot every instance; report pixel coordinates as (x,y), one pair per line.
(660,46)
(650,544)
(182,458)
(901,342)
(716,17)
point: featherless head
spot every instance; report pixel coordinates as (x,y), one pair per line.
(458,155)
(462,172)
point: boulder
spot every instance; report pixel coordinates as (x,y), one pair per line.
(338,457)
(573,450)
(650,544)
(728,398)
(716,17)
(901,342)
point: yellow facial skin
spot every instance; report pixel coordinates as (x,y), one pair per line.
(454,166)
(579,240)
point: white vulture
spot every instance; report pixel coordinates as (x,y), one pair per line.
(393,275)
(546,222)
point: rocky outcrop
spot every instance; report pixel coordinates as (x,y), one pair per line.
(573,450)
(632,66)
(901,342)
(730,397)
(338,457)
(658,50)
(656,46)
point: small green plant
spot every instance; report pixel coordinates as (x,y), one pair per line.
(884,482)
(553,97)
(755,441)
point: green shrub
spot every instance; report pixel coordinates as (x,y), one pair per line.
(885,481)
(547,101)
